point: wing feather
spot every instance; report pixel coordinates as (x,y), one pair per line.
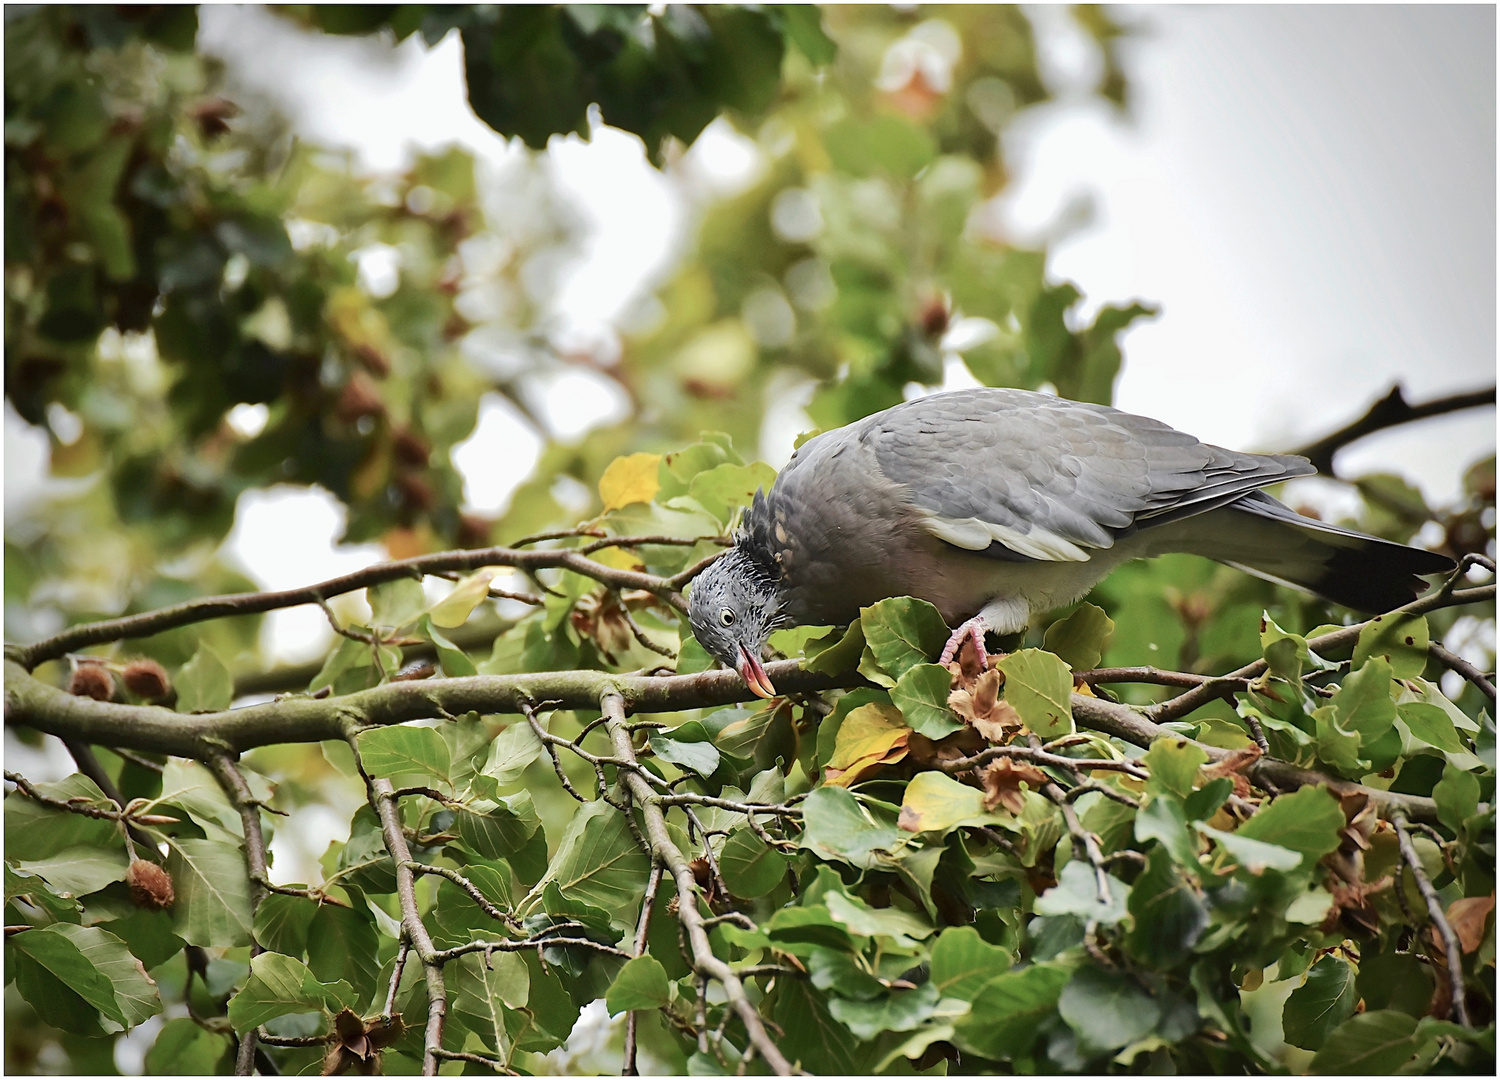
(1025,475)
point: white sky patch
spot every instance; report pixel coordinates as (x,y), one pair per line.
(285,537)
(572,401)
(497,458)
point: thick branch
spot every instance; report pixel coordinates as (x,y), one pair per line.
(216,607)
(1390,411)
(666,852)
(299,719)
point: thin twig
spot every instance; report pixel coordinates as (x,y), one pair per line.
(476,1059)
(1454,954)
(485,905)
(1463,667)
(1389,411)
(642,927)
(227,772)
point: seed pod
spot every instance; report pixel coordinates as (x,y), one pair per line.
(150,885)
(147,679)
(93,681)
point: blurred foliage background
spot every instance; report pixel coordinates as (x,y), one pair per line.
(187,318)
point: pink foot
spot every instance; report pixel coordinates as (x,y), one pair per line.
(972,630)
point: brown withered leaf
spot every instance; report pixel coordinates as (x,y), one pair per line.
(600,617)
(980,706)
(1003,780)
(1233,765)
(1468,918)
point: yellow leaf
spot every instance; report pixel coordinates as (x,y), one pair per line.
(619,558)
(935,802)
(868,731)
(629,479)
(455,608)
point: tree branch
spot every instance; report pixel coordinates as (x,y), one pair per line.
(216,607)
(707,964)
(1390,411)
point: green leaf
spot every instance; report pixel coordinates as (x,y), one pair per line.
(1308,820)
(1040,686)
(837,651)
(342,946)
(1205,802)
(395,603)
(1107,1009)
(1079,640)
(1162,819)
(803,25)
(454,609)
(1077,893)
(1174,764)
(204,684)
(404,750)
(78,870)
(1320,1004)
(597,863)
(184,1048)
(497,830)
(962,962)
(900,633)
(54,949)
(281,923)
(455,662)
(213,892)
(1431,725)
(34,831)
(189,785)
(1372,1043)
(1363,702)
(898,1010)
(935,802)
(921,693)
(701,756)
(135,991)
(1456,795)
(837,827)
(811,1037)
(724,488)
(1169,914)
(1401,639)
(1253,855)
(750,868)
(511,751)
(896,928)
(278,986)
(641,984)
(833,970)
(1007,1014)
(487,992)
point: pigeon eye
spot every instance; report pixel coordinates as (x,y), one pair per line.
(726,617)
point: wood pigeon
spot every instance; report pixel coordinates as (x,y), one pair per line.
(996,504)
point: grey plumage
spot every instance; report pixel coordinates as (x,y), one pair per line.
(1000,504)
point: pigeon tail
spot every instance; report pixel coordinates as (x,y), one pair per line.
(1266,538)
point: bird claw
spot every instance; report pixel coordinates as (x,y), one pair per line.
(973,630)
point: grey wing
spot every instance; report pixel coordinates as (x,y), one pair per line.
(1018,474)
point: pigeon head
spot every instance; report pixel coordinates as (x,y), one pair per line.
(733,608)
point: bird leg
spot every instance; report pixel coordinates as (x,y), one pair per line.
(973,630)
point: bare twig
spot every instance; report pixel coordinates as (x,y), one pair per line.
(493,1064)
(227,772)
(1389,411)
(1463,667)
(84,809)
(485,905)
(642,927)
(708,965)
(1454,955)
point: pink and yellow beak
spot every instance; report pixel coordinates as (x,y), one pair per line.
(754,674)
